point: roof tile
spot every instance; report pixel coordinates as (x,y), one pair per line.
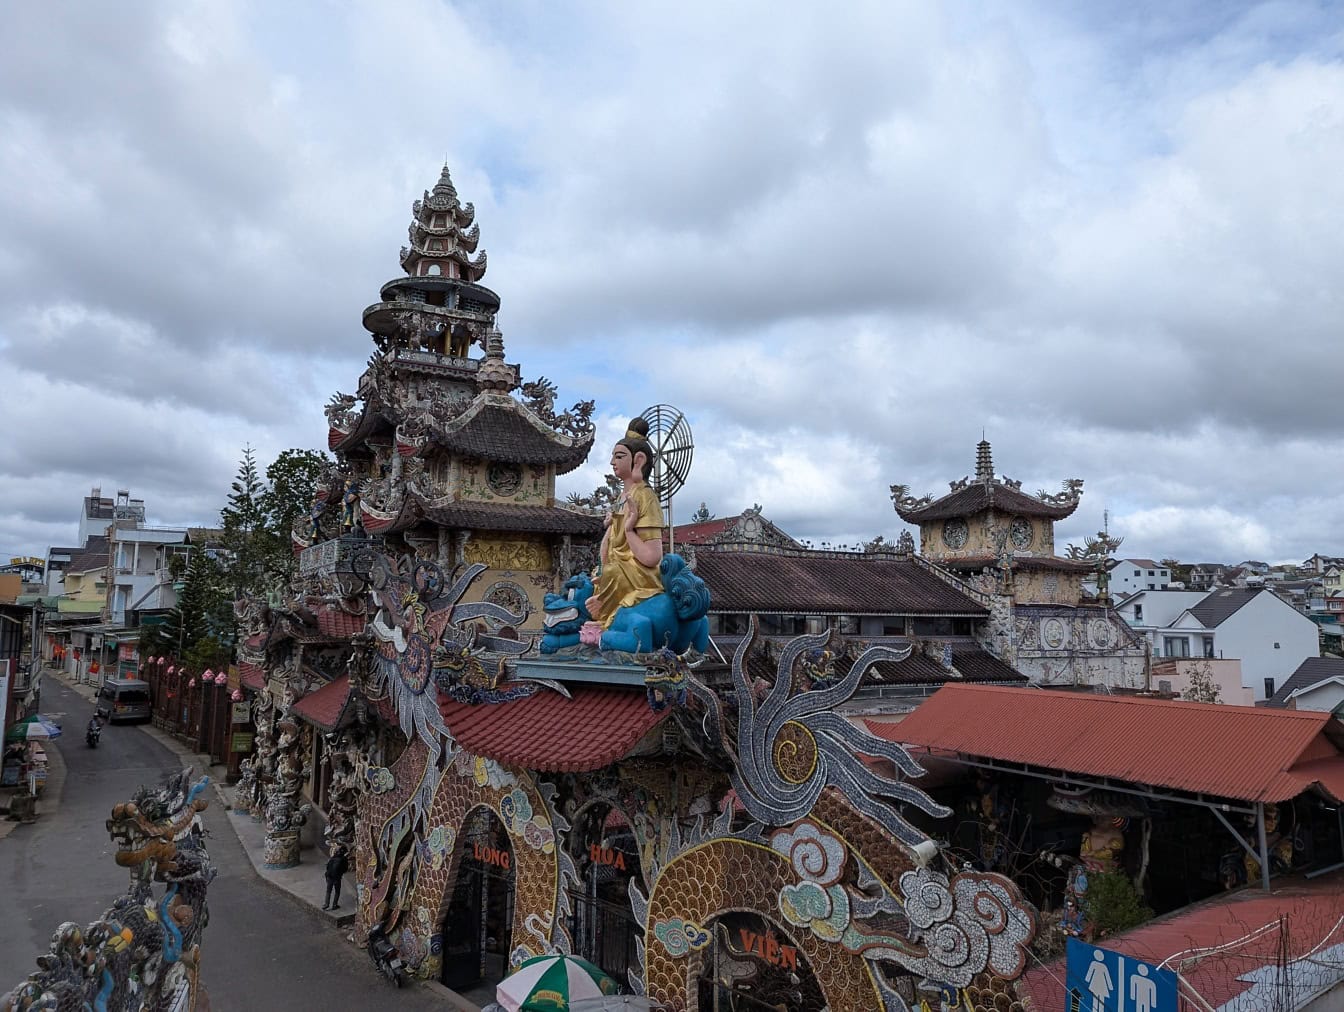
(823,583)
(552,734)
(323,708)
(1243,752)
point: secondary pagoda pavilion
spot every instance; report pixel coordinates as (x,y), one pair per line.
(1001,540)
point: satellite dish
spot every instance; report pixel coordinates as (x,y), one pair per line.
(673,447)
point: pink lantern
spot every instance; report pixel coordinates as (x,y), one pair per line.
(209,675)
(237,696)
(191,684)
(161,660)
(221,679)
(172,668)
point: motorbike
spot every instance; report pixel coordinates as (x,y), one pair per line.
(92,732)
(385,956)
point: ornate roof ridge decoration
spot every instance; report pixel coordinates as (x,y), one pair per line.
(491,398)
(751,532)
(463,238)
(954,580)
(967,496)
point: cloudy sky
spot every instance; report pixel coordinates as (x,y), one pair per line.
(843,239)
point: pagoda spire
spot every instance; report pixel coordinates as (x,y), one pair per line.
(984,461)
(444,187)
(443,236)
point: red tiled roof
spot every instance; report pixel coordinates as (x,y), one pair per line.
(1243,752)
(550,733)
(821,583)
(251,676)
(324,707)
(1310,910)
(698,534)
(340,624)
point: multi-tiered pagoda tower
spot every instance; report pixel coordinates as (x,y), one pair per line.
(655,813)
(447,464)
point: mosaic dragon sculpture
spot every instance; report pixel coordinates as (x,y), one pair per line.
(144,952)
(828,854)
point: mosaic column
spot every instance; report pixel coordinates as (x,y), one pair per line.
(286,812)
(259,771)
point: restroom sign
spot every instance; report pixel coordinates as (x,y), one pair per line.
(1101,980)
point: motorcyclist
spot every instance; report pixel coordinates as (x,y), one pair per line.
(94,729)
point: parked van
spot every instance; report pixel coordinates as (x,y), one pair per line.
(123,699)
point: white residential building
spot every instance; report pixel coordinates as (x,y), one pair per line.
(98,513)
(1317,684)
(1250,624)
(1128,576)
(136,558)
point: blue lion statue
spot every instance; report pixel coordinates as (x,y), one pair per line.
(565,613)
(675,619)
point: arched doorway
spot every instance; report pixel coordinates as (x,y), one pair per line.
(477,924)
(755,967)
(602,926)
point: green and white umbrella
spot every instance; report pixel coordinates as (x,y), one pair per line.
(551,983)
(36,726)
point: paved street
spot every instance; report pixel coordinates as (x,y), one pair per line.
(262,949)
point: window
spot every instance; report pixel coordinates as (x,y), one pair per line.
(1208,646)
(934,627)
(434,270)
(1138,613)
(849,625)
(1175,646)
(1152,586)
(1269,685)
(1151,573)
(1163,685)
(1276,646)
(1137,573)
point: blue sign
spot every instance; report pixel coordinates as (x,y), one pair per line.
(1100,980)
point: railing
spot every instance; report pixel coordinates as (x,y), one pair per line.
(326,557)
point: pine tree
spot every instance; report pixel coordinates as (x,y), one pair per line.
(246,536)
(293,477)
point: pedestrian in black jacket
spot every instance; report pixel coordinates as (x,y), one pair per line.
(337,865)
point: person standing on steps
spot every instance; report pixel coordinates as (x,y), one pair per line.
(337,865)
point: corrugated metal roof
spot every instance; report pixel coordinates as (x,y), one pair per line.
(1241,752)
(1241,928)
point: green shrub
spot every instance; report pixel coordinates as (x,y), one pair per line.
(1113,904)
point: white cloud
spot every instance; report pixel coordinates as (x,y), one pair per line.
(843,241)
